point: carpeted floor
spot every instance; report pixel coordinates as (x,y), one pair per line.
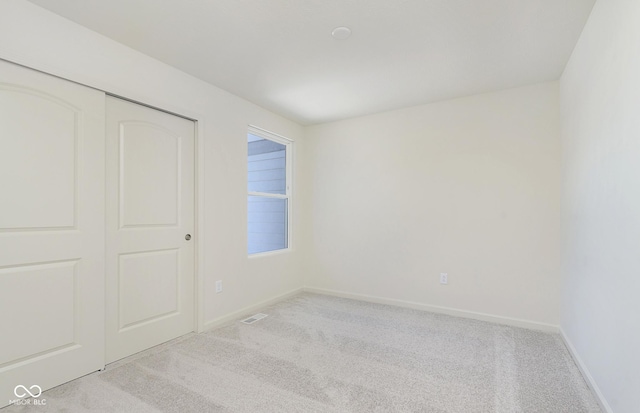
(316,353)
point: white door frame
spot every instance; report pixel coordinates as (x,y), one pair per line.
(53,70)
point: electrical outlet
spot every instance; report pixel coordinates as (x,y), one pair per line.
(444,278)
(219,286)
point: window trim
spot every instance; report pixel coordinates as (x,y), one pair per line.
(288,143)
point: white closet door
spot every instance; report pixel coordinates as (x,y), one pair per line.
(51,230)
(150,212)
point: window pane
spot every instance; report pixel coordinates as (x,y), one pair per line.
(267,166)
(267,226)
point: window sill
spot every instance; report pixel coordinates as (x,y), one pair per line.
(269,253)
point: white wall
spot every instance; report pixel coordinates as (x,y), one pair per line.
(470,187)
(37,38)
(600,103)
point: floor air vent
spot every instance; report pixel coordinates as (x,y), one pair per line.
(254,318)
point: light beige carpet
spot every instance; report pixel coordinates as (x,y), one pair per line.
(316,353)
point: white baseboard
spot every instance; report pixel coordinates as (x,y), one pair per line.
(515,322)
(246,311)
(585,373)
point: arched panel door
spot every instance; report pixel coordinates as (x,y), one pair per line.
(52,285)
(150,227)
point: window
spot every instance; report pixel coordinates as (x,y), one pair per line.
(269,191)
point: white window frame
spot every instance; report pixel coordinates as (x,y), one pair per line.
(288,143)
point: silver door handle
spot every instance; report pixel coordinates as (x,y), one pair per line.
(187,237)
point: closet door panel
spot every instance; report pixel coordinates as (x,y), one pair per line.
(52,152)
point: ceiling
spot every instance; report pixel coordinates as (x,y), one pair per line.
(280,54)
